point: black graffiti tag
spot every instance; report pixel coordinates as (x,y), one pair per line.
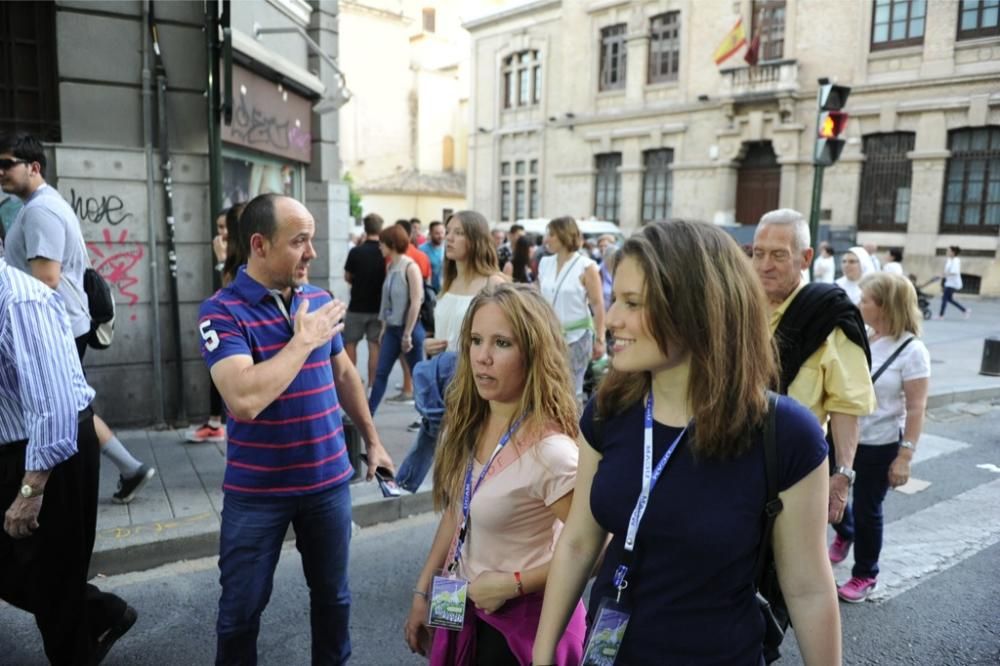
(108,208)
(252,126)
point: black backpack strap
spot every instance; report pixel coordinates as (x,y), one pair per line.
(888,361)
(773,506)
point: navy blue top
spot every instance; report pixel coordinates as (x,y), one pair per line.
(691,581)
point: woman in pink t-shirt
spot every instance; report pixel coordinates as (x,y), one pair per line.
(509,440)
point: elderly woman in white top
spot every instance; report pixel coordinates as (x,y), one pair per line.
(901,371)
(470,263)
(571,283)
(856,263)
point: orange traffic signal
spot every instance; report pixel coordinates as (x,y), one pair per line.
(832,124)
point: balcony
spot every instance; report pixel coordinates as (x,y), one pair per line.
(765,81)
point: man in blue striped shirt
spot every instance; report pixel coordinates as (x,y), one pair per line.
(49,462)
(272,342)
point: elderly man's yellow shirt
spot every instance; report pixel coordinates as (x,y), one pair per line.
(835,378)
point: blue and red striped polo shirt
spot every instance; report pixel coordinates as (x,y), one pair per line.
(296,445)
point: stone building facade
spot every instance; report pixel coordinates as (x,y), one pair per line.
(85,69)
(404,139)
(617,110)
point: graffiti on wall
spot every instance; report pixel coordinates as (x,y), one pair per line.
(257,128)
(116,260)
(107,208)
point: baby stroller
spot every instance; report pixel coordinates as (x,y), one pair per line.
(923,298)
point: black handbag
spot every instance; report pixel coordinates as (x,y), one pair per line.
(769,597)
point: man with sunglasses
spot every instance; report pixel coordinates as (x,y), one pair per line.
(45,242)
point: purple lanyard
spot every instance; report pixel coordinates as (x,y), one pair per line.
(470,490)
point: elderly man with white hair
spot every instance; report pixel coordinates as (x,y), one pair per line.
(822,345)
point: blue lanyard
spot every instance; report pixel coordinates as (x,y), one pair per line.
(650,476)
(470,490)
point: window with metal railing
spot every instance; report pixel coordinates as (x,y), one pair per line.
(972,182)
(29,80)
(884,203)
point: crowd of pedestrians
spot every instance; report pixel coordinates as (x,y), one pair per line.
(656,484)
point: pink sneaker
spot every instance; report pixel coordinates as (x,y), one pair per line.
(857,590)
(206,433)
(839,549)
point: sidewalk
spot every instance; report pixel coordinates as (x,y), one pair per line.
(176,516)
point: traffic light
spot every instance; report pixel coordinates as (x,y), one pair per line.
(830,123)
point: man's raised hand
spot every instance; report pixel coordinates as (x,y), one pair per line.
(318,327)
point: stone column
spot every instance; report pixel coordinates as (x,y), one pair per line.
(326,195)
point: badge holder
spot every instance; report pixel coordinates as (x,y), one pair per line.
(608,630)
(446,607)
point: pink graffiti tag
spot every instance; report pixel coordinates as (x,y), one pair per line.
(117,264)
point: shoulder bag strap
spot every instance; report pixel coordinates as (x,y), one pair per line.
(773,506)
(888,361)
(555,297)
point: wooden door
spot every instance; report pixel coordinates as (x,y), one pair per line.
(758,184)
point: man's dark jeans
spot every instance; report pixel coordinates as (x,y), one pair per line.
(253,529)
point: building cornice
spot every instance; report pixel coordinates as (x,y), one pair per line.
(507,14)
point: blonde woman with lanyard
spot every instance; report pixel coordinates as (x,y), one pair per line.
(673,467)
(470,263)
(504,479)
(571,282)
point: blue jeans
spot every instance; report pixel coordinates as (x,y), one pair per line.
(862,522)
(949,297)
(253,529)
(420,457)
(392,345)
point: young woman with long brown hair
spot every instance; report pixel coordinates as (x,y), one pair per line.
(470,263)
(512,424)
(674,468)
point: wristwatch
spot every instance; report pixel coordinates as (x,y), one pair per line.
(906,444)
(846,471)
(27,492)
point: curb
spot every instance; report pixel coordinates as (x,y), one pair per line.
(963,395)
(140,547)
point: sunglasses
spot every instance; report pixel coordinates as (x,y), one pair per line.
(11,163)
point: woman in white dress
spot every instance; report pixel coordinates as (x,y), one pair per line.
(856,263)
(571,283)
(470,263)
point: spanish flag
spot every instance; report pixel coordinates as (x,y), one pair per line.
(731,43)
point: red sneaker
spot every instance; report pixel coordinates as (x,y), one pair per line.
(206,433)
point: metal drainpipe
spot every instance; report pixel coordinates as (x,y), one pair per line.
(166,171)
(154,277)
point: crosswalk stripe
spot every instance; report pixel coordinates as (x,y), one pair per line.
(932,540)
(932,446)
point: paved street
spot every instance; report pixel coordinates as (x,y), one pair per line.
(939,603)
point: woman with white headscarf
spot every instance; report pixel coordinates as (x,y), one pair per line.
(855,264)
